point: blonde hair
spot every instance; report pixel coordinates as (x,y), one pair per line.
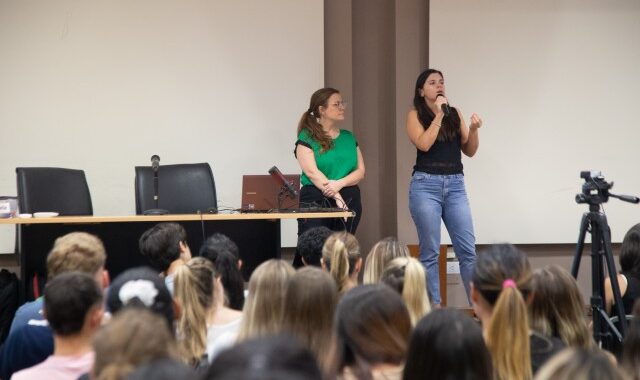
(407,276)
(133,337)
(76,251)
(310,302)
(264,306)
(340,254)
(557,308)
(193,288)
(379,256)
(501,275)
(580,364)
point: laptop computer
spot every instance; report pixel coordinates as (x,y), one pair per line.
(260,193)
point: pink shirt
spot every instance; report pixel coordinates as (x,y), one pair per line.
(58,368)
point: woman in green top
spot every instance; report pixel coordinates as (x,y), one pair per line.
(331,162)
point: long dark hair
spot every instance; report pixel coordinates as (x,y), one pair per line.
(450,124)
(224,255)
(630,251)
(448,345)
(309,121)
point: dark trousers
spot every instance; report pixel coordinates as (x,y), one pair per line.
(311,196)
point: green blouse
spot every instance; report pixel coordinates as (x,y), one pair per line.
(335,163)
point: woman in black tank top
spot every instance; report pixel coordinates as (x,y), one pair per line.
(629,277)
(437,191)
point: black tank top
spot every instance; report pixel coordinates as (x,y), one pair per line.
(444,157)
(631,294)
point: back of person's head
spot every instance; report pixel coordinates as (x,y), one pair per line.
(71,300)
(341,257)
(380,255)
(630,251)
(407,276)
(631,346)
(372,327)
(501,279)
(194,290)
(580,364)
(557,307)
(225,256)
(160,244)
(132,338)
(448,345)
(76,252)
(310,244)
(141,288)
(310,302)
(278,357)
(264,306)
(162,369)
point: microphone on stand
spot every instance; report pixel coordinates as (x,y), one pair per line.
(286,185)
(155,165)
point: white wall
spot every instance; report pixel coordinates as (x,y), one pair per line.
(557,84)
(103,85)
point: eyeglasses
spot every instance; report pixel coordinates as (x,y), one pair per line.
(341,104)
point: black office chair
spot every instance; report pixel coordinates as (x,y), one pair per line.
(182,188)
(64,191)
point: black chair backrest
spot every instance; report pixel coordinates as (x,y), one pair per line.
(182,188)
(53,189)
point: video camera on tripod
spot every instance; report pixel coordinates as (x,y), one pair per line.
(595,191)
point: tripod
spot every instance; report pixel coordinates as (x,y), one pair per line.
(595,222)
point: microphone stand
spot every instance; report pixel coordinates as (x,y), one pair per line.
(156,210)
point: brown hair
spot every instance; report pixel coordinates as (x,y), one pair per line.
(340,254)
(502,275)
(264,306)
(76,252)
(310,302)
(309,121)
(194,290)
(557,307)
(133,337)
(380,255)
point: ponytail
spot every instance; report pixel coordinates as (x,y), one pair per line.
(407,276)
(309,120)
(510,349)
(339,264)
(194,290)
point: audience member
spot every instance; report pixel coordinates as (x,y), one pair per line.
(224,254)
(373,329)
(580,364)
(73,308)
(310,245)
(501,281)
(204,317)
(631,348)
(165,246)
(447,345)
(278,357)
(31,340)
(408,277)
(310,302)
(557,308)
(264,306)
(135,337)
(629,277)
(379,256)
(341,258)
(141,287)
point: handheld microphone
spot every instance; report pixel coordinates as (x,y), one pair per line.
(155,162)
(445,107)
(277,175)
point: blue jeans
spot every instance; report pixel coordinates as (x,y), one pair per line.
(433,197)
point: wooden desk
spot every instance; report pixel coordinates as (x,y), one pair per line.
(256,234)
